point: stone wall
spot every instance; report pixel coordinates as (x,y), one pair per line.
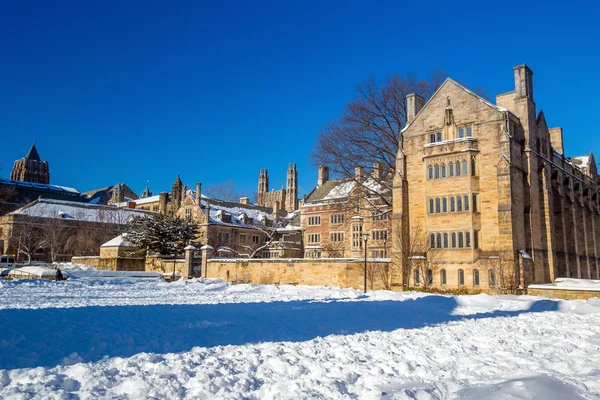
(563,293)
(113,263)
(347,273)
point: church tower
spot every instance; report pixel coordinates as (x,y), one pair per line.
(176,194)
(263,185)
(291,200)
(31,168)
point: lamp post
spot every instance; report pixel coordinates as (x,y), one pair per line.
(365,237)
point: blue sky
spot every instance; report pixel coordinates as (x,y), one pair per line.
(134,91)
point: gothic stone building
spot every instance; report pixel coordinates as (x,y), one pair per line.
(287,198)
(336,212)
(491,187)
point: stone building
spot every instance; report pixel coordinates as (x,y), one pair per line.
(490,187)
(233,230)
(31,168)
(287,198)
(336,212)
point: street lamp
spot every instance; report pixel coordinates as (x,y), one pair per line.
(365,237)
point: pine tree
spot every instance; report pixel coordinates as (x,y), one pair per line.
(161,234)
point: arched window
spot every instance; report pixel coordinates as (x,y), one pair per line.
(459,203)
(492,278)
(461,132)
(432,241)
(437,171)
(452,204)
(429,277)
(416,277)
(430,172)
(432,138)
(460,240)
(439,240)
(466,203)
(443,276)
(437,205)
(453,240)
(464,168)
(445,240)
(468,239)
(443,170)
(469,131)
(444,205)
(475,277)
(451,169)
(431,209)
(438,136)
(458,168)
(461,277)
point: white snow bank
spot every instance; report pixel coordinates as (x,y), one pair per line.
(570,284)
(24,272)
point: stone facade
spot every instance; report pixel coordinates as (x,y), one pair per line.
(489,186)
(565,294)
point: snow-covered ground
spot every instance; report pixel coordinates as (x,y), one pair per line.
(114,338)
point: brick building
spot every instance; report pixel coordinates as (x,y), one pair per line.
(490,186)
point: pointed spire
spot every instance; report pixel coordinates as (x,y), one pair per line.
(32,154)
(147,192)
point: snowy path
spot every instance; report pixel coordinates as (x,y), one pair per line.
(126,339)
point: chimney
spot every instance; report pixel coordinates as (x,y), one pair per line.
(523,82)
(198,192)
(276,213)
(359,173)
(323,175)
(163,199)
(377,173)
(245,200)
(414,103)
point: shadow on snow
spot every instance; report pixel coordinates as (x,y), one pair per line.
(43,337)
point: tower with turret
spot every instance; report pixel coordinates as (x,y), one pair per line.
(291,196)
(31,168)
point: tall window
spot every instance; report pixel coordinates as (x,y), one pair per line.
(438,136)
(432,241)
(492,278)
(467,239)
(464,168)
(469,131)
(460,240)
(437,171)
(430,172)
(466,203)
(452,204)
(476,239)
(439,240)
(451,167)
(429,277)
(357,236)
(432,138)
(444,205)
(473,165)
(443,170)
(416,277)
(453,240)
(461,277)
(459,203)
(445,240)
(476,277)
(457,168)
(443,276)
(461,132)
(474,203)
(437,205)
(431,208)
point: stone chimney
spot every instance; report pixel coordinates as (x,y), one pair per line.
(359,174)
(198,192)
(414,103)
(377,173)
(523,81)
(276,211)
(245,200)
(323,175)
(163,199)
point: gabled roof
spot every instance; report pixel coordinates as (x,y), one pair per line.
(452,81)
(331,190)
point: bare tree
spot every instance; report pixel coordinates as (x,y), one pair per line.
(56,234)
(369,129)
(225,191)
(501,271)
(27,229)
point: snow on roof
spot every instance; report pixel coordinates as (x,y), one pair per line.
(119,241)
(48,208)
(236,211)
(581,161)
(340,191)
(33,271)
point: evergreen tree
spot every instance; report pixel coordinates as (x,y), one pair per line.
(161,234)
